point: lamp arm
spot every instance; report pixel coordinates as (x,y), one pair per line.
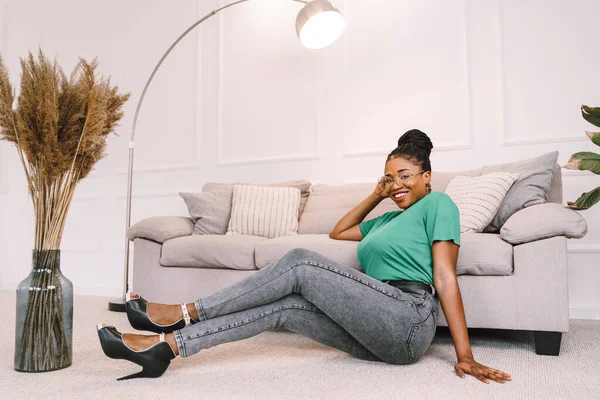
(132,136)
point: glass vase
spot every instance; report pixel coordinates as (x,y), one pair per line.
(44,320)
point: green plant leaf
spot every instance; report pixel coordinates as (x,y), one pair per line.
(586,200)
(584,161)
(594,137)
(591,115)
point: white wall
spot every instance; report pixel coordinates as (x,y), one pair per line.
(241,99)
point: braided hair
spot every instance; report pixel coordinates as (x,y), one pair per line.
(414,146)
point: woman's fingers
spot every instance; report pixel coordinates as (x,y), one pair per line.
(496,375)
(501,374)
(459,371)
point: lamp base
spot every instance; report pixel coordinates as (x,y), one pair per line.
(117,305)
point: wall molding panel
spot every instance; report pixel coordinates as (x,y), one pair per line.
(222,160)
(161,168)
(151,194)
(538,137)
(536,141)
(466,92)
(353,154)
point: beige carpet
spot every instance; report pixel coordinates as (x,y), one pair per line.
(288,366)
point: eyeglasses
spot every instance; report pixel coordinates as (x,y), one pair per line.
(386,181)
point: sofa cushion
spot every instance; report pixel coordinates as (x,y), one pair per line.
(478,198)
(211,251)
(264,211)
(209,210)
(532,187)
(480,253)
(161,229)
(341,251)
(327,204)
(543,221)
(484,254)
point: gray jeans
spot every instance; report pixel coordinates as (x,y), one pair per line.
(333,304)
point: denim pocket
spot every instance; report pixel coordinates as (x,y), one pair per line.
(420,336)
(419,296)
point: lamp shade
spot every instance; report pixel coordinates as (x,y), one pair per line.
(319,24)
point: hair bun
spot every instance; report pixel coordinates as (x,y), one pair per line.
(416,138)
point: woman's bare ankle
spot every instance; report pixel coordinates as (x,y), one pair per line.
(139,342)
(170,338)
(191,307)
(164,314)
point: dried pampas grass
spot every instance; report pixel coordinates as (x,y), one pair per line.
(59,128)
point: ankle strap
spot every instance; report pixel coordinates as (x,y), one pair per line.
(186,314)
(162,337)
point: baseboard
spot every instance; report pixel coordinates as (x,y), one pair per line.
(589,249)
(78,290)
(584,311)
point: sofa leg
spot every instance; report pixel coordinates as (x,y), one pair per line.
(547,343)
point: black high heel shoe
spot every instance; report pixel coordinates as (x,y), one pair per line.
(137,313)
(154,360)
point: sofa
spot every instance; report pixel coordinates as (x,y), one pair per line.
(511,279)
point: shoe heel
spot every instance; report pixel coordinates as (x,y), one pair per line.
(141,374)
(152,371)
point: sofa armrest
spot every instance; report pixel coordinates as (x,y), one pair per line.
(543,221)
(161,229)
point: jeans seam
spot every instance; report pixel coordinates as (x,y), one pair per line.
(200,309)
(323,266)
(252,319)
(180,343)
(413,331)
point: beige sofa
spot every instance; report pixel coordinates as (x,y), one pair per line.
(515,279)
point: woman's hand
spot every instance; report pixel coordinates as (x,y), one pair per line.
(382,190)
(480,372)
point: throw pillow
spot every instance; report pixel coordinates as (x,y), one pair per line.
(543,221)
(532,187)
(303,185)
(264,211)
(479,198)
(209,210)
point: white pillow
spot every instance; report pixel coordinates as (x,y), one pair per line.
(264,211)
(478,198)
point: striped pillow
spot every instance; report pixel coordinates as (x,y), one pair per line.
(264,211)
(479,198)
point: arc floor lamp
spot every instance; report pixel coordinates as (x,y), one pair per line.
(318,24)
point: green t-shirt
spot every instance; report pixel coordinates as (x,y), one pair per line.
(397,244)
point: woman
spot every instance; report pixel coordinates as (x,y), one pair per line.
(386,314)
